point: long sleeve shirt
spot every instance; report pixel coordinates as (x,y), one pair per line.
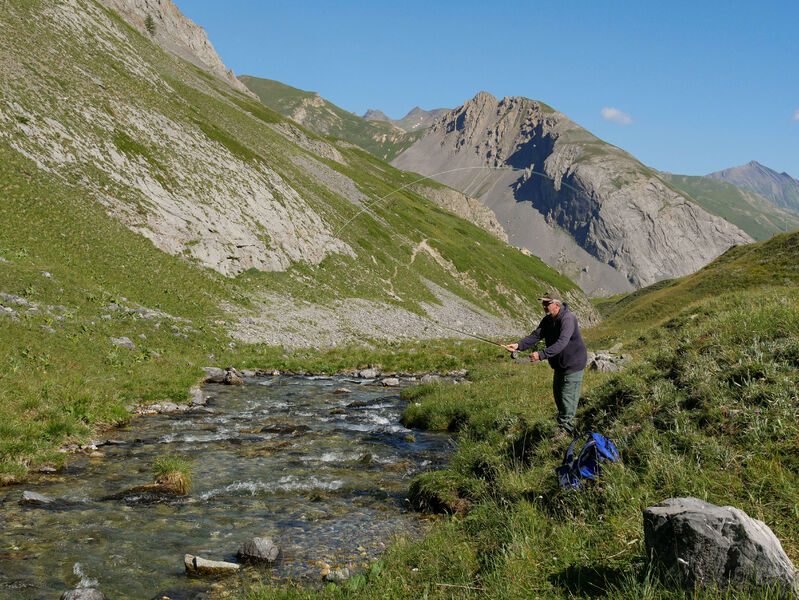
(565,348)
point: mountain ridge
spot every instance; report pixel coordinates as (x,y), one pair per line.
(780,189)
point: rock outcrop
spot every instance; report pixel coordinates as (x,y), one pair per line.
(698,544)
(173,31)
(184,183)
(585,207)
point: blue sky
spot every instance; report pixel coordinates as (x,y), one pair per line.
(687,87)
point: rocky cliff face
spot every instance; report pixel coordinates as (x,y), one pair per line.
(175,33)
(780,189)
(587,208)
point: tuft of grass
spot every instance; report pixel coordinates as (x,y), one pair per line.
(173,473)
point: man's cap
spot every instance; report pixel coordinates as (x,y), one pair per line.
(551,297)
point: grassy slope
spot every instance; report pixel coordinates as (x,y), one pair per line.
(708,408)
(380,138)
(749,267)
(754,214)
(59,386)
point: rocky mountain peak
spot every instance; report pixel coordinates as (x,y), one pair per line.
(545,176)
(176,33)
(373,114)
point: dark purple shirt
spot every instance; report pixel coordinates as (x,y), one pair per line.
(565,347)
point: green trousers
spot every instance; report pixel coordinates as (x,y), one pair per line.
(566,389)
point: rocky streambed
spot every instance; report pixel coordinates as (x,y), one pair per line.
(321,465)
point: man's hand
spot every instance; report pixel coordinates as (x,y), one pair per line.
(535,357)
(511,347)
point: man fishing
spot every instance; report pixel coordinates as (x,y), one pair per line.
(566,353)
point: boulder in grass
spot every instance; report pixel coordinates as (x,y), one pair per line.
(697,544)
(214,375)
(196,565)
(84,594)
(258,550)
(123,342)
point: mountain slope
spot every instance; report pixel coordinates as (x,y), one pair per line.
(750,211)
(381,138)
(779,188)
(584,206)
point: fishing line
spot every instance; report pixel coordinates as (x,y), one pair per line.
(374,203)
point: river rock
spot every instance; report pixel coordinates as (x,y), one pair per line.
(214,375)
(338,575)
(342,390)
(698,544)
(390,382)
(429,378)
(232,378)
(123,342)
(196,397)
(196,565)
(258,550)
(368,373)
(84,594)
(34,499)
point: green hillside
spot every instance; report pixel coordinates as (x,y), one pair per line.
(380,138)
(751,212)
(747,269)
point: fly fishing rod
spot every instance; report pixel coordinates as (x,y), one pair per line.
(513,354)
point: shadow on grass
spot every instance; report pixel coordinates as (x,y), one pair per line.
(585,580)
(522,449)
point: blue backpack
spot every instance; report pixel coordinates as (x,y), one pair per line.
(588,463)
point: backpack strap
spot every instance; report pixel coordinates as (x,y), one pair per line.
(606,448)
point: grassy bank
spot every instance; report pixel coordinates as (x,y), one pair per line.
(708,408)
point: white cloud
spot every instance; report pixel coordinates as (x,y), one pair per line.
(616,116)
(796,115)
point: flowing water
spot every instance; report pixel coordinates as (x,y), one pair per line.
(324,474)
